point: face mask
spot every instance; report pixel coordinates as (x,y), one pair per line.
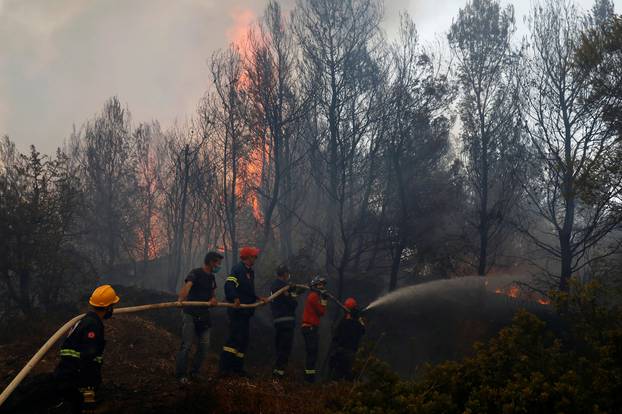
(216,269)
(108,313)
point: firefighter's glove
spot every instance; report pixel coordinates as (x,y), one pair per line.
(293,291)
(88,400)
(323,298)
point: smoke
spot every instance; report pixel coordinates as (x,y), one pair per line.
(59,61)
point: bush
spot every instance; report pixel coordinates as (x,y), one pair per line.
(524,369)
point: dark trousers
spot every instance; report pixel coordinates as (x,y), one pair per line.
(283,341)
(192,328)
(68,382)
(312,347)
(341,364)
(71,397)
(233,353)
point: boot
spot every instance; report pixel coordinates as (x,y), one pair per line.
(226,363)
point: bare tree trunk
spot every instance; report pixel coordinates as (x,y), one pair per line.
(483,224)
(179,236)
(341,271)
(333,179)
(568,193)
(285,213)
(395,266)
(146,239)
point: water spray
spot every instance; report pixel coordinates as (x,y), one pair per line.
(458,290)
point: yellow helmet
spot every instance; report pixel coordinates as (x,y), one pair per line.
(103,297)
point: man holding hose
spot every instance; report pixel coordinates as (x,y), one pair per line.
(284,319)
(239,290)
(199,286)
(78,374)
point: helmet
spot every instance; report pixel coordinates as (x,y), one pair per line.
(248,251)
(103,297)
(317,280)
(350,303)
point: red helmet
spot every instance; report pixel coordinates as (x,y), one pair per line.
(350,303)
(248,251)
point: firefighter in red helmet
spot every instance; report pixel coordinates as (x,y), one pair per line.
(346,342)
(239,290)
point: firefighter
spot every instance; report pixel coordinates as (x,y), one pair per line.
(315,308)
(78,374)
(200,285)
(346,342)
(239,289)
(284,319)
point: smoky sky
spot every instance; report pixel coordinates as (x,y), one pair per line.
(61,59)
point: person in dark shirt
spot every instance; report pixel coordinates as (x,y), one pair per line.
(346,342)
(199,286)
(284,319)
(239,289)
(78,374)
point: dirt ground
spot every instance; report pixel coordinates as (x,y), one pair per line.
(138,378)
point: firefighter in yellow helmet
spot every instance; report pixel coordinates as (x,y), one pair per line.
(78,374)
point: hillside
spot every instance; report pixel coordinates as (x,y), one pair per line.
(138,378)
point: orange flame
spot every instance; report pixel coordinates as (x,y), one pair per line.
(147,180)
(514,292)
(153,247)
(252,170)
(250,180)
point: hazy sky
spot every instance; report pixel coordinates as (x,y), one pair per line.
(61,59)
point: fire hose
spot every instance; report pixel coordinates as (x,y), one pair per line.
(133,309)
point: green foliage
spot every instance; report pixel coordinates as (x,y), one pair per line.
(39,198)
(526,368)
(599,58)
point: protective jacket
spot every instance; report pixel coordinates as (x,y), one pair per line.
(314,310)
(283,307)
(82,353)
(349,334)
(240,284)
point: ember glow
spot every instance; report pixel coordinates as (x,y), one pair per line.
(514,292)
(254,172)
(250,181)
(150,233)
(153,248)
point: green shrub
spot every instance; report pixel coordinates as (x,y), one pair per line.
(524,369)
